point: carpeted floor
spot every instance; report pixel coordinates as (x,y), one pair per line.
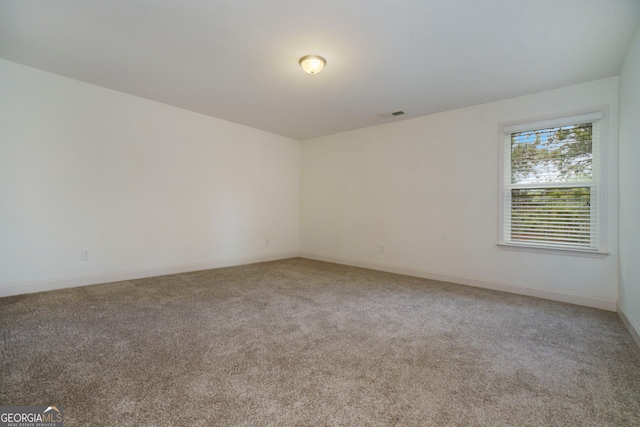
(299,342)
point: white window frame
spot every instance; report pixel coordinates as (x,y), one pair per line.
(598,114)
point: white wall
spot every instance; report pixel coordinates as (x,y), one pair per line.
(630,188)
(145,187)
(427,189)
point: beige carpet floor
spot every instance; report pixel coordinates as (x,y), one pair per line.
(305,343)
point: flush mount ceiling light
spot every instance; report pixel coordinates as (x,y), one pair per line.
(312,64)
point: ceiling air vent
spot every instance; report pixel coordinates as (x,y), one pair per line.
(390,115)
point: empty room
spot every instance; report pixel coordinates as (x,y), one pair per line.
(344,213)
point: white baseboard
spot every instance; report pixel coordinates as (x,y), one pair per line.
(71,282)
(601,303)
(634,330)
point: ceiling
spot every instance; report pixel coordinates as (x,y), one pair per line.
(238,60)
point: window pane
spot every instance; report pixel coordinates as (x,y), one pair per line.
(555,216)
(558,154)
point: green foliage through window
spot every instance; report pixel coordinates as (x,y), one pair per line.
(558,154)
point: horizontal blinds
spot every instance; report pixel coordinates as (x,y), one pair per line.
(551,185)
(561,121)
(556,217)
(558,154)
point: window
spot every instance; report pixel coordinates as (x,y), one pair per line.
(552,184)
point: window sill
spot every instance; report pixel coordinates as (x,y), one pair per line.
(553,251)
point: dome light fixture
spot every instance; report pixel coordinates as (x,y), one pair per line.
(312,64)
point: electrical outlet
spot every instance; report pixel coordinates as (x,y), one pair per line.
(84,255)
(381,249)
(266,241)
